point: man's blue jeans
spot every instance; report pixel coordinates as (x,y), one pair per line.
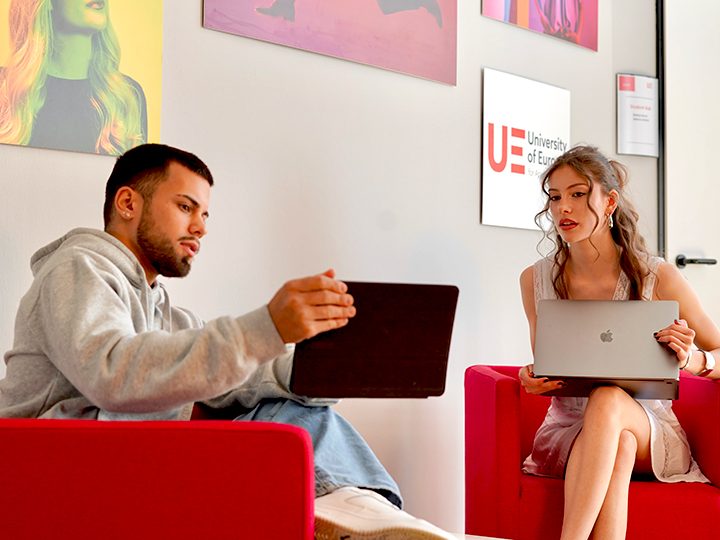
(342,457)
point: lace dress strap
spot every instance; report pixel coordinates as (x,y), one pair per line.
(649,285)
(542,280)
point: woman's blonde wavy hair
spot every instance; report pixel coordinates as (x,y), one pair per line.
(591,164)
(22,82)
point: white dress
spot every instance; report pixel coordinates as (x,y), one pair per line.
(670,451)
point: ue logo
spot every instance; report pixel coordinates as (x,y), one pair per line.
(501,164)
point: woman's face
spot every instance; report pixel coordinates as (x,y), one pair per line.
(572,205)
(80,16)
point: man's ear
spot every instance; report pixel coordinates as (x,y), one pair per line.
(128,203)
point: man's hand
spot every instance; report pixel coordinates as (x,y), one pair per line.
(305,307)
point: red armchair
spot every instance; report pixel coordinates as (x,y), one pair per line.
(181,480)
(500,423)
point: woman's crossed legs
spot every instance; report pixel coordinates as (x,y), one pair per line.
(614,442)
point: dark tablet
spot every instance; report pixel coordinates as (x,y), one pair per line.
(397,345)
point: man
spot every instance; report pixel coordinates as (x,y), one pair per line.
(96,337)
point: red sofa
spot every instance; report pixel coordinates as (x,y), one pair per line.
(500,423)
(181,480)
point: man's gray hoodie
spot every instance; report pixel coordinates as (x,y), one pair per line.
(94,340)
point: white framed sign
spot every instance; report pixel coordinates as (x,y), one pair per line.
(526,125)
(637,115)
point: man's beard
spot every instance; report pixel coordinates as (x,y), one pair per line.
(159,250)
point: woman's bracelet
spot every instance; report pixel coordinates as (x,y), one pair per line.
(687,360)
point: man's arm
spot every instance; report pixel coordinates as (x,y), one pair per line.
(301,309)
(270,380)
(84,323)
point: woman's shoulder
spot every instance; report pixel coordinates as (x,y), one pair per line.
(661,269)
(538,267)
(654,262)
(132,82)
(667,272)
(669,282)
(526,276)
(543,265)
(536,279)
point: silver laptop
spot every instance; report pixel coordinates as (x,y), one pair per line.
(590,343)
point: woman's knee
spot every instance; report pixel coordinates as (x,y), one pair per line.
(607,401)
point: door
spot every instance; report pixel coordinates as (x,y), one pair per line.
(692,142)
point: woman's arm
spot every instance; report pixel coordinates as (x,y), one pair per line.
(528,298)
(526,375)
(699,327)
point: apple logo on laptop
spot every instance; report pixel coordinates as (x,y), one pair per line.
(606,337)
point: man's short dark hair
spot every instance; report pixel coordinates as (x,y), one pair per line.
(144,167)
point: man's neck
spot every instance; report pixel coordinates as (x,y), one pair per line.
(150,273)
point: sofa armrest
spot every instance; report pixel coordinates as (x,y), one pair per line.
(698,411)
(181,480)
(492,451)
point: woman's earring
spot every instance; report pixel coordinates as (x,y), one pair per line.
(611,222)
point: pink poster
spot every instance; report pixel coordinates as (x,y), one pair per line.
(417,37)
(572,20)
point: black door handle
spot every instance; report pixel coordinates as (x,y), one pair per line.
(682,261)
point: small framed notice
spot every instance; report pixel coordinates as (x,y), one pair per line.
(637,115)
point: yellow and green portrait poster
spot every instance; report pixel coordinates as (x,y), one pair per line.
(80,75)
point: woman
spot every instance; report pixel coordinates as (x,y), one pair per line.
(596,443)
(61,87)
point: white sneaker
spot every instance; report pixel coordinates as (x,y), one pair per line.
(351,513)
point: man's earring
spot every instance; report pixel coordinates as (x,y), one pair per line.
(126,215)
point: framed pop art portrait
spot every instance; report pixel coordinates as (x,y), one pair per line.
(415,37)
(80,76)
(575,21)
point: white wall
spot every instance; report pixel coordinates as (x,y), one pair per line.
(321,162)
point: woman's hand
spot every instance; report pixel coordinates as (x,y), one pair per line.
(539,385)
(679,338)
